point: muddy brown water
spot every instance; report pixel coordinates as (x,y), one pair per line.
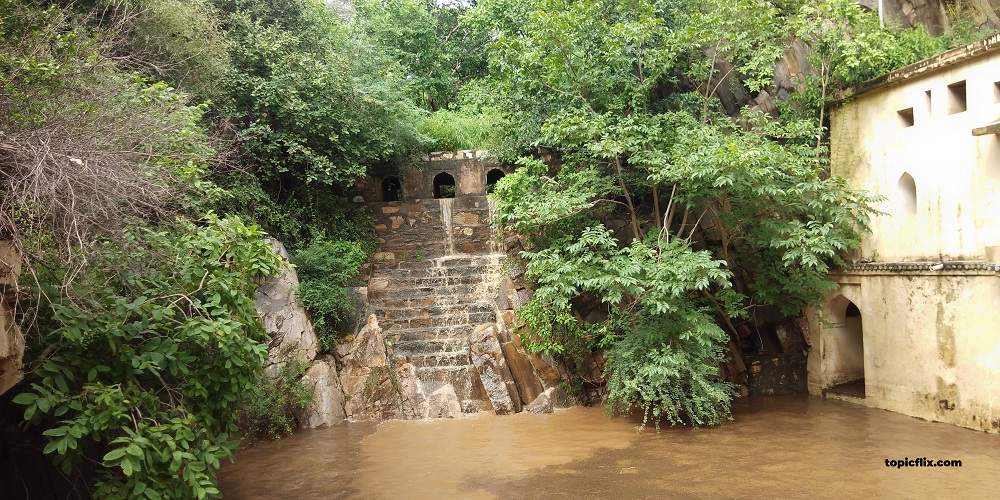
(787,447)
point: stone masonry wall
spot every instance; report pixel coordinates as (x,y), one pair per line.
(445,302)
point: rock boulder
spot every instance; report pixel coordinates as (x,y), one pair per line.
(327,405)
(373,389)
(284,318)
(541,404)
(443,403)
(491,367)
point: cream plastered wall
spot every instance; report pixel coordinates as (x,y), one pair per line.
(957,175)
(931,344)
(931,339)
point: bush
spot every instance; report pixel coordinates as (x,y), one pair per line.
(147,355)
(269,412)
(669,368)
(325,268)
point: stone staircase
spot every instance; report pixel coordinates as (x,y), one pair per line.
(434,279)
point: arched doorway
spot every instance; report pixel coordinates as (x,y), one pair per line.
(492,177)
(392,189)
(444,185)
(844,351)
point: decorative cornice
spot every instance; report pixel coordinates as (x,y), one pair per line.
(921,267)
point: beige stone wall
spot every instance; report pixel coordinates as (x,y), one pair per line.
(931,347)
(957,175)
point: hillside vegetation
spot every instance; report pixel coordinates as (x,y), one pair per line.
(147,148)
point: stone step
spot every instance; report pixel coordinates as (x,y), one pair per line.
(460,331)
(401,300)
(438,359)
(376,294)
(441,320)
(435,272)
(456,260)
(430,346)
(437,281)
(392,313)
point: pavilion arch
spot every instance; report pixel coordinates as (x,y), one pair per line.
(844,348)
(392,189)
(444,185)
(906,194)
(492,177)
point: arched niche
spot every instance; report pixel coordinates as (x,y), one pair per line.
(492,177)
(392,189)
(906,194)
(844,348)
(444,185)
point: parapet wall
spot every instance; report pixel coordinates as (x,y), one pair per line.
(468,168)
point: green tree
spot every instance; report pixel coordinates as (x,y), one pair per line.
(720,214)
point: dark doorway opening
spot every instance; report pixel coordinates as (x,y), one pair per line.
(849,352)
(444,185)
(392,189)
(492,177)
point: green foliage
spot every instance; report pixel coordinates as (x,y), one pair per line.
(270,409)
(668,367)
(148,356)
(325,268)
(721,213)
(437,50)
(848,47)
(314,105)
(768,191)
(450,130)
(179,41)
(664,351)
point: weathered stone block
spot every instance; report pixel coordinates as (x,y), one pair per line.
(383,257)
(443,403)
(528,385)
(327,404)
(487,357)
(541,404)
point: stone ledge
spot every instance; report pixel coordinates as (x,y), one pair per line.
(922,268)
(463,154)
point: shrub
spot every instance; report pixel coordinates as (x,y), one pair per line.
(453,130)
(325,268)
(668,368)
(269,412)
(147,356)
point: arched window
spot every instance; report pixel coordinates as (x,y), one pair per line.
(392,190)
(444,185)
(492,177)
(906,194)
